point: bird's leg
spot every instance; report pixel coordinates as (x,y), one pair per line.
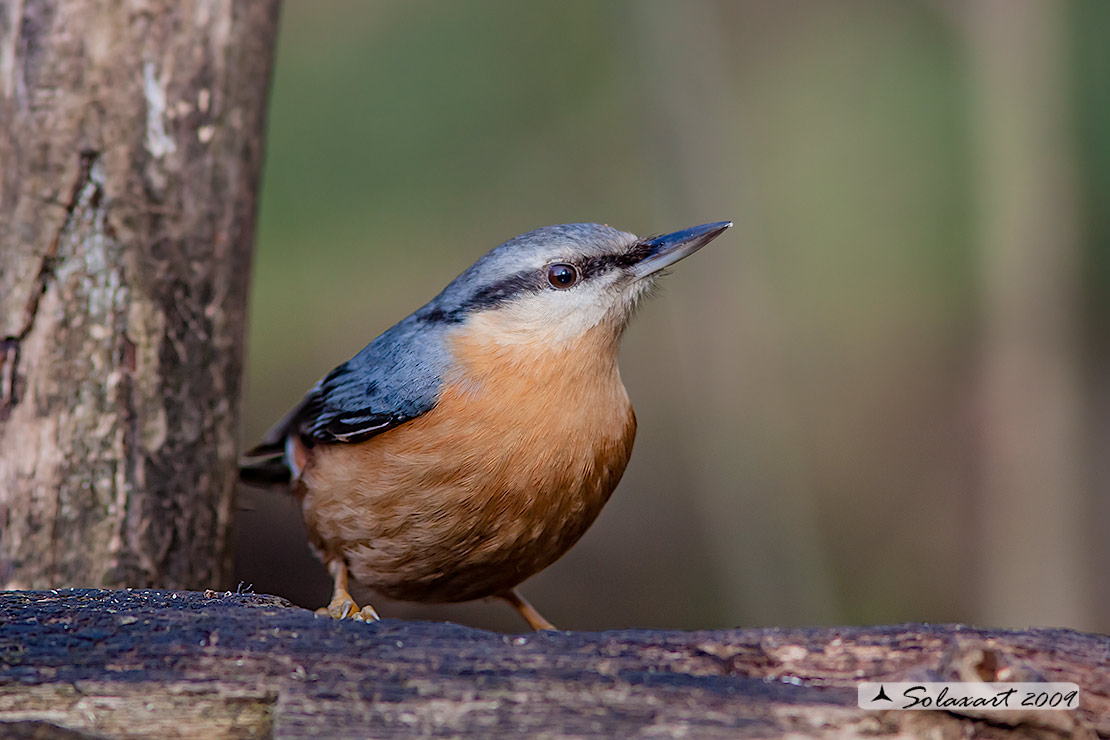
(534,619)
(342,605)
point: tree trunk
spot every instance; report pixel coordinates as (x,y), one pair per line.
(128,184)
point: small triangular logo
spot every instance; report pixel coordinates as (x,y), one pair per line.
(882,695)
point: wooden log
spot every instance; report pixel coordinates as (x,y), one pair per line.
(130,152)
(137,664)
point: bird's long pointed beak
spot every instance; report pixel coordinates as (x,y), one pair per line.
(670,248)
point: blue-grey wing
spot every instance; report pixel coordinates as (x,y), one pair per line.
(357,400)
(393,380)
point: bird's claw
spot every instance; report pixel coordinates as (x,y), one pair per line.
(339,609)
(348,609)
(366,614)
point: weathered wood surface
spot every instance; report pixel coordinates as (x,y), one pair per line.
(130,153)
(136,664)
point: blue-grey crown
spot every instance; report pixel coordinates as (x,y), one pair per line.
(516,266)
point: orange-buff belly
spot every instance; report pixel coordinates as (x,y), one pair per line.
(491,486)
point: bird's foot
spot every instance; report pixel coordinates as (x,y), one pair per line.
(367,614)
(535,620)
(338,609)
(344,607)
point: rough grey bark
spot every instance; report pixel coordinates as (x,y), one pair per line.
(129,167)
(139,664)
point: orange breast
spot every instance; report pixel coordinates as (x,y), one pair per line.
(521,452)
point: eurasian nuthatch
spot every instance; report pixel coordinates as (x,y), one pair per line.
(470,445)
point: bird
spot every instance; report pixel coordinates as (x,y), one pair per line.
(469,446)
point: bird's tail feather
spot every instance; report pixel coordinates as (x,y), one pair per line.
(265,466)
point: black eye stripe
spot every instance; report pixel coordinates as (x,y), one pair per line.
(508,288)
(504,290)
(606,262)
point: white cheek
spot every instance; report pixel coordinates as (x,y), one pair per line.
(553,315)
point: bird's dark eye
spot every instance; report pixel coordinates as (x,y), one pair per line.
(563,276)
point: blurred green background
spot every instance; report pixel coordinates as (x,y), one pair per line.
(882,397)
